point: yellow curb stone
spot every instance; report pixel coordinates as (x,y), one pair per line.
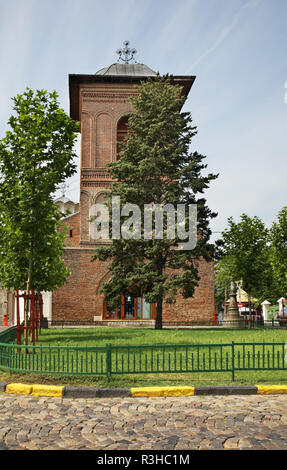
(47,390)
(19,389)
(162,391)
(271,389)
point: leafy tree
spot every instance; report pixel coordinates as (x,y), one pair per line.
(244,255)
(36,156)
(156,166)
(222,282)
(278,253)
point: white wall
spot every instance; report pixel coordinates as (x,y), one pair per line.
(47,307)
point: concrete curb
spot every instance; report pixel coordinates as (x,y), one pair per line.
(3,386)
(92,392)
(163,391)
(227,390)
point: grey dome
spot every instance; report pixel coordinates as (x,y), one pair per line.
(131,70)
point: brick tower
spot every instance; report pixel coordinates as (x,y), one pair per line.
(101,102)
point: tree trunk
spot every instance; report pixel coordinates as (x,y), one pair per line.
(158,321)
(28,286)
(250,312)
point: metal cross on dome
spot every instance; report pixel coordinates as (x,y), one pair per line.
(126,54)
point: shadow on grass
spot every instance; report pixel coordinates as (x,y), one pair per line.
(119,336)
(141,336)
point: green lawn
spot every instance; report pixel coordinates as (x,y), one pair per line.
(141,336)
(145,336)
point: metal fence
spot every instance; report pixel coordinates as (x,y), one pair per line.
(244,323)
(113,360)
(8,335)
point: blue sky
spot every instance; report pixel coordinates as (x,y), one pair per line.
(236,49)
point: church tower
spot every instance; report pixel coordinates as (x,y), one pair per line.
(101,103)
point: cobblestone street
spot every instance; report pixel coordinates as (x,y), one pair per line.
(183,423)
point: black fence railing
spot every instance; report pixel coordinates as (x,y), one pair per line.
(8,335)
(112,360)
(244,323)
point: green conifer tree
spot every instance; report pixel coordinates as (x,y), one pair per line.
(156,166)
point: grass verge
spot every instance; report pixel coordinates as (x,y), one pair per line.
(141,336)
(128,381)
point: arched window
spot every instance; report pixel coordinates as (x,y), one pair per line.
(122,132)
(100,199)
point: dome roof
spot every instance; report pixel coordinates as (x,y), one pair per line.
(63,199)
(131,70)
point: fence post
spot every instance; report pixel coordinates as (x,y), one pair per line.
(109,360)
(233,354)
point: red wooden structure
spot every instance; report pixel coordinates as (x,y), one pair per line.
(33,302)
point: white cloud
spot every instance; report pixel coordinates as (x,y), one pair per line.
(225,32)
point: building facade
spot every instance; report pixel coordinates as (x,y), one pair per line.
(101,102)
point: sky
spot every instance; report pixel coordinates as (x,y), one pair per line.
(235,48)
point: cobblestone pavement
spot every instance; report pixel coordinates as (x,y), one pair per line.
(183,423)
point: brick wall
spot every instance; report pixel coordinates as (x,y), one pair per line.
(73,224)
(200,307)
(102,106)
(81,299)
